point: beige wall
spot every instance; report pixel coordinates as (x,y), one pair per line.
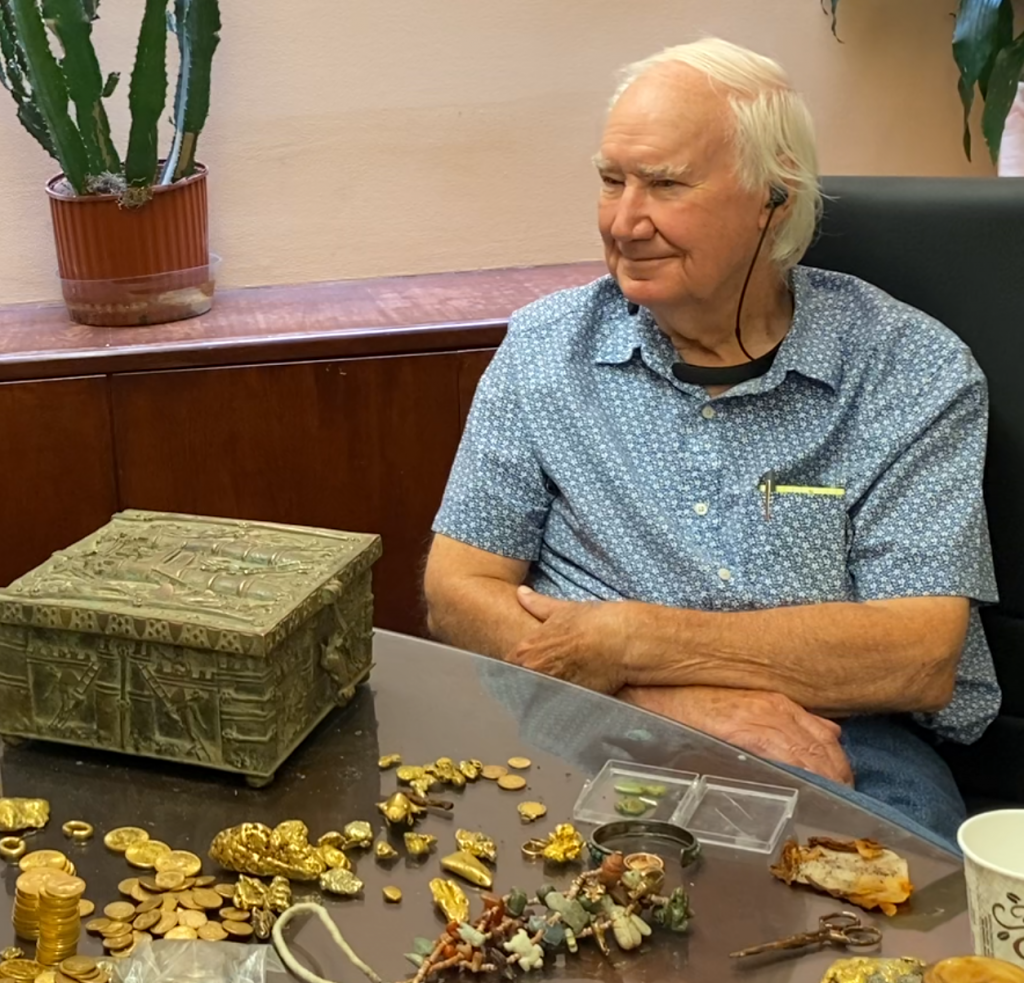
(351,138)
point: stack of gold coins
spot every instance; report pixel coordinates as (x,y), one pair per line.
(25,914)
(46,858)
(59,921)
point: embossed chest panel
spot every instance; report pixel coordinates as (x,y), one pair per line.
(214,641)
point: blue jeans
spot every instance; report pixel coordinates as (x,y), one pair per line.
(899,777)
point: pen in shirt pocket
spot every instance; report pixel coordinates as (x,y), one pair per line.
(769,486)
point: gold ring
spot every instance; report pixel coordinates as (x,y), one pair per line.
(644,861)
(78,830)
(12,848)
(532,849)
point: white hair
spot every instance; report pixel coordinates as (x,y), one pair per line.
(773,132)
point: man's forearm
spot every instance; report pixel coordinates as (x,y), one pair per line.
(479,614)
(833,658)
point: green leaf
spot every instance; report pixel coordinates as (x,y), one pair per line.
(1002,90)
(147,95)
(50,93)
(108,87)
(12,55)
(983,28)
(70,21)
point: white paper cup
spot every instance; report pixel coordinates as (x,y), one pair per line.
(993,846)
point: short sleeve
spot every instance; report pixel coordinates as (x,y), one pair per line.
(497,498)
(921,529)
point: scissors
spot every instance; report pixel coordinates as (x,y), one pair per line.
(843,928)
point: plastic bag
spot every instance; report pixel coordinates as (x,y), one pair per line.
(197,961)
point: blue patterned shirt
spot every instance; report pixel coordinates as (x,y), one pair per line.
(584,455)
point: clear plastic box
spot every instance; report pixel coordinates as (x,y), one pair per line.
(622,785)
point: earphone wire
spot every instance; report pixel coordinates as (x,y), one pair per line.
(743,293)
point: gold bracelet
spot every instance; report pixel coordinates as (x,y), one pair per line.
(12,848)
(77,830)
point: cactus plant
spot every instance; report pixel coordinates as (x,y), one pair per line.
(46,87)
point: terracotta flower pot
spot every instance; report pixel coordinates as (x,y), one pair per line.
(124,267)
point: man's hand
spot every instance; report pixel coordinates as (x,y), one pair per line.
(580,642)
(766,724)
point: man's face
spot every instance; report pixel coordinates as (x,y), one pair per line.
(677,226)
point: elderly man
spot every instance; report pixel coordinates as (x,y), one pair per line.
(736,491)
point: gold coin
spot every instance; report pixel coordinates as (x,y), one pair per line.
(146,853)
(192,919)
(123,837)
(182,932)
(392,894)
(65,889)
(168,919)
(519,763)
(116,928)
(169,880)
(512,783)
(493,772)
(206,898)
(169,902)
(115,942)
(150,904)
(186,900)
(188,863)
(225,890)
(97,924)
(150,884)
(531,811)
(211,932)
(78,966)
(234,914)
(190,882)
(146,920)
(119,911)
(22,969)
(128,885)
(44,858)
(140,894)
(85,908)
(241,929)
(124,953)
(138,937)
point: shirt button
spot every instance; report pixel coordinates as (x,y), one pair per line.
(708,413)
(724,574)
(701,508)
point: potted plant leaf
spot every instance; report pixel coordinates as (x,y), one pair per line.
(132,234)
(991,61)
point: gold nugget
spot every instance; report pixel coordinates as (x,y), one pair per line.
(409,773)
(562,846)
(252,848)
(358,835)
(469,867)
(384,850)
(861,969)
(334,857)
(419,844)
(389,761)
(340,881)
(279,894)
(19,814)
(399,809)
(477,844)
(451,899)
(392,895)
(471,768)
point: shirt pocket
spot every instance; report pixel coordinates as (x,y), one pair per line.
(800,553)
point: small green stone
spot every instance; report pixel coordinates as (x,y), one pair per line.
(631,806)
(630,788)
(656,790)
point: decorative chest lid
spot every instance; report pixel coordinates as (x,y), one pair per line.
(224,584)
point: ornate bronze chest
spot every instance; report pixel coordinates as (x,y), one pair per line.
(215,642)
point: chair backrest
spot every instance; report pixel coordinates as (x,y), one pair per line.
(954,247)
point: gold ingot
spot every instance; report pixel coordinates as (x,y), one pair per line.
(146,853)
(180,860)
(359,834)
(471,768)
(339,881)
(493,772)
(19,814)
(532,811)
(334,857)
(123,837)
(520,764)
(389,761)
(418,844)
(392,894)
(399,808)
(512,783)
(409,773)
(384,850)
(477,844)
(78,830)
(451,899)
(467,866)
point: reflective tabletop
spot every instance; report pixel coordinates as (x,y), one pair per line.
(424,701)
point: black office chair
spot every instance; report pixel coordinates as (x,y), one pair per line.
(954,247)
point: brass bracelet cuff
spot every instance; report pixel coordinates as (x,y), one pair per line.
(649,829)
(12,848)
(78,830)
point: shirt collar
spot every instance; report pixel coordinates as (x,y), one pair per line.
(812,347)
